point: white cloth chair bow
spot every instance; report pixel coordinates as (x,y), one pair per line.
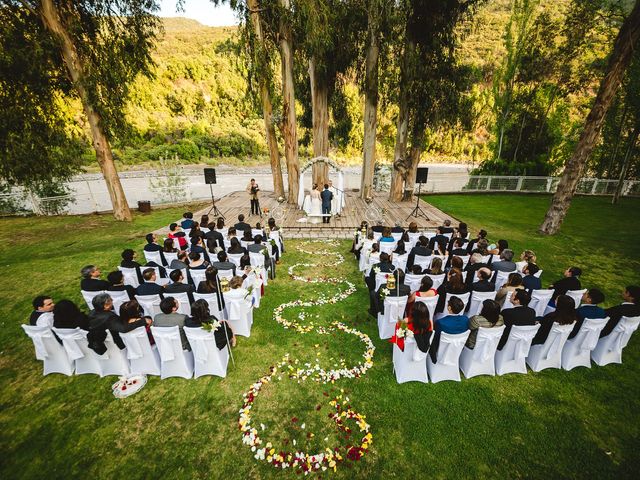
(409,365)
(143,357)
(49,351)
(393,311)
(511,359)
(208,359)
(174,362)
(549,354)
(447,366)
(609,348)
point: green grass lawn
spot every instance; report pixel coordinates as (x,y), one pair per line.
(584,423)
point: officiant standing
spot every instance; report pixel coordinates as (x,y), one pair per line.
(253,190)
(326,196)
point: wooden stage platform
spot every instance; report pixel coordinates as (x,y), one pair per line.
(356,210)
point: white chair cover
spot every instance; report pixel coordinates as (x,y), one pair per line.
(118,299)
(75,343)
(45,320)
(408,366)
(393,311)
(208,359)
(397,236)
(130,276)
(183,299)
(400,261)
(462,296)
(413,281)
(576,295)
(437,280)
(174,362)
(424,262)
(113,361)
(539,301)
(153,257)
(501,279)
(549,354)
(150,304)
(49,351)
(381,278)
(212,300)
(388,247)
(577,351)
(228,274)
(239,311)
(511,359)
(197,276)
(143,357)
(235,258)
(480,359)
(475,304)
(88,297)
(448,355)
(609,348)
(255,282)
(430,302)
(169,257)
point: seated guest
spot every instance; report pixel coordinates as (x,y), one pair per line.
(91,279)
(231,233)
(529,280)
(475,264)
(424,291)
(128,259)
(453,284)
(416,270)
(588,309)
(131,317)
(482,235)
(259,227)
(455,262)
(501,247)
(413,227)
(223,263)
(446,226)
(187,221)
(181,262)
(178,285)
(258,247)
(386,235)
(168,246)
(247,237)
(397,229)
(421,249)
(197,262)
(514,282)
(400,247)
(242,225)
(100,318)
(196,232)
(482,247)
(453,323)
(377,228)
(152,243)
(66,314)
(440,248)
(399,290)
(439,238)
(149,286)
(214,237)
(526,257)
(42,315)
(198,247)
(462,231)
(210,283)
(116,284)
(236,248)
(564,314)
(204,222)
(484,283)
(200,315)
(505,264)
(458,247)
(220,225)
(422,328)
(489,317)
(521,314)
(436,267)
(571,281)
(374,254)
(171,318)
(384,266)
(629,308)
(176,232)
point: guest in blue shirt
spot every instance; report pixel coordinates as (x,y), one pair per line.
(386,235)
(589,308)
(187,223)
(454,323)
(529,280)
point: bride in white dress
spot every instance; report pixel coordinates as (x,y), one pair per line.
(316,205)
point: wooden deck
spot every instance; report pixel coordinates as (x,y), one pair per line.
(296,225)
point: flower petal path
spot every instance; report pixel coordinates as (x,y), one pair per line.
(293,369)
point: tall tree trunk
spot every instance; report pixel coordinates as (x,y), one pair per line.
(614,157)
(53,22)
(400,161)
(267,108)
(320,120)
(289,107)
(515,152)
(370,104)
(618,62)
(627,161)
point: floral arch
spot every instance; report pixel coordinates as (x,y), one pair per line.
(340,186)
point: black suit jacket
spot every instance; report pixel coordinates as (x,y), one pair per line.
(93,284)
(225,266)
(437,239)
(152,247)
(565,284)
(397,230)
(243,226)
(149,288)
(531,283)
(214,239)
(483,286)
(616,313)
(516,316)
(417,250)
(471,270)
(180,288)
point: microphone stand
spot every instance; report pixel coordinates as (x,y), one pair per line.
(417,211)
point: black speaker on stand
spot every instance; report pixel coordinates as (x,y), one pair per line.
(421,177)
(210,179)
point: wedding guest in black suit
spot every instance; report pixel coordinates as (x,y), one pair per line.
(42,307)
(128,259)
(116,284)
(178,285)
(214,237)
(152,243)
(66,314)
(521,314)
(458,247)
(224,264)
(439,238)
(482,235)
(571,281)
(446,226)
(588,308)
(529,280)
(242,225)
(505,264)
(484,283)
(149,287)
(100,318)
(91,279)
(397,229)
(630,307)
(421,248)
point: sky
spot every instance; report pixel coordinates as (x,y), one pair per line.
(202,10)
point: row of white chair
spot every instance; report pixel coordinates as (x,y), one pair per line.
(517,353)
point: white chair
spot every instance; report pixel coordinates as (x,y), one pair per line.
(239,311)
(224,231)
(480,359)
(409,366)
(130,276)
(437,280)
(501,279)
(475,304)
(486,258)
(539,301)
(465,260)
(413,281)
(577,350)
(538,273)
(387,247)
(377,236)
(400,261)
(257,260)
(208,360)
(576,295)
(118,299)
(150,304)
(609,348)
(212,300)
(447,367)
(257,231)
(53,355)
(549,354)
(143,358)
(88,297)
(462,296)
(275,235)
(393,311)
(197,276)
(174,362)
(183,300)
(113,361)
(397,236)
(255,282)
(511,359)
(430,302)
(170,257)
(74,341)
(507,302)
(413,239)
(244,243)
(227,245)
(235,258)
(228,274)
(153,257)
(423,261)
(381,278)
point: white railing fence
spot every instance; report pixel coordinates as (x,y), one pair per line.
(586,186)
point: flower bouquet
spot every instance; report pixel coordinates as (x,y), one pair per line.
(127,385)
(211,326)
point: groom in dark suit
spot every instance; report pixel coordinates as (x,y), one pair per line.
(326,196)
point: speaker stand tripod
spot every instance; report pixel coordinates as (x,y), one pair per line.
(417,211)
(214,209)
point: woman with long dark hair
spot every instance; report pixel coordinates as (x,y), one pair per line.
(488,317)
(564,314)
(200,315)
(66,314)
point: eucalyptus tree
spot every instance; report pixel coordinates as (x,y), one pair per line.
(101,45)
(623,48)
